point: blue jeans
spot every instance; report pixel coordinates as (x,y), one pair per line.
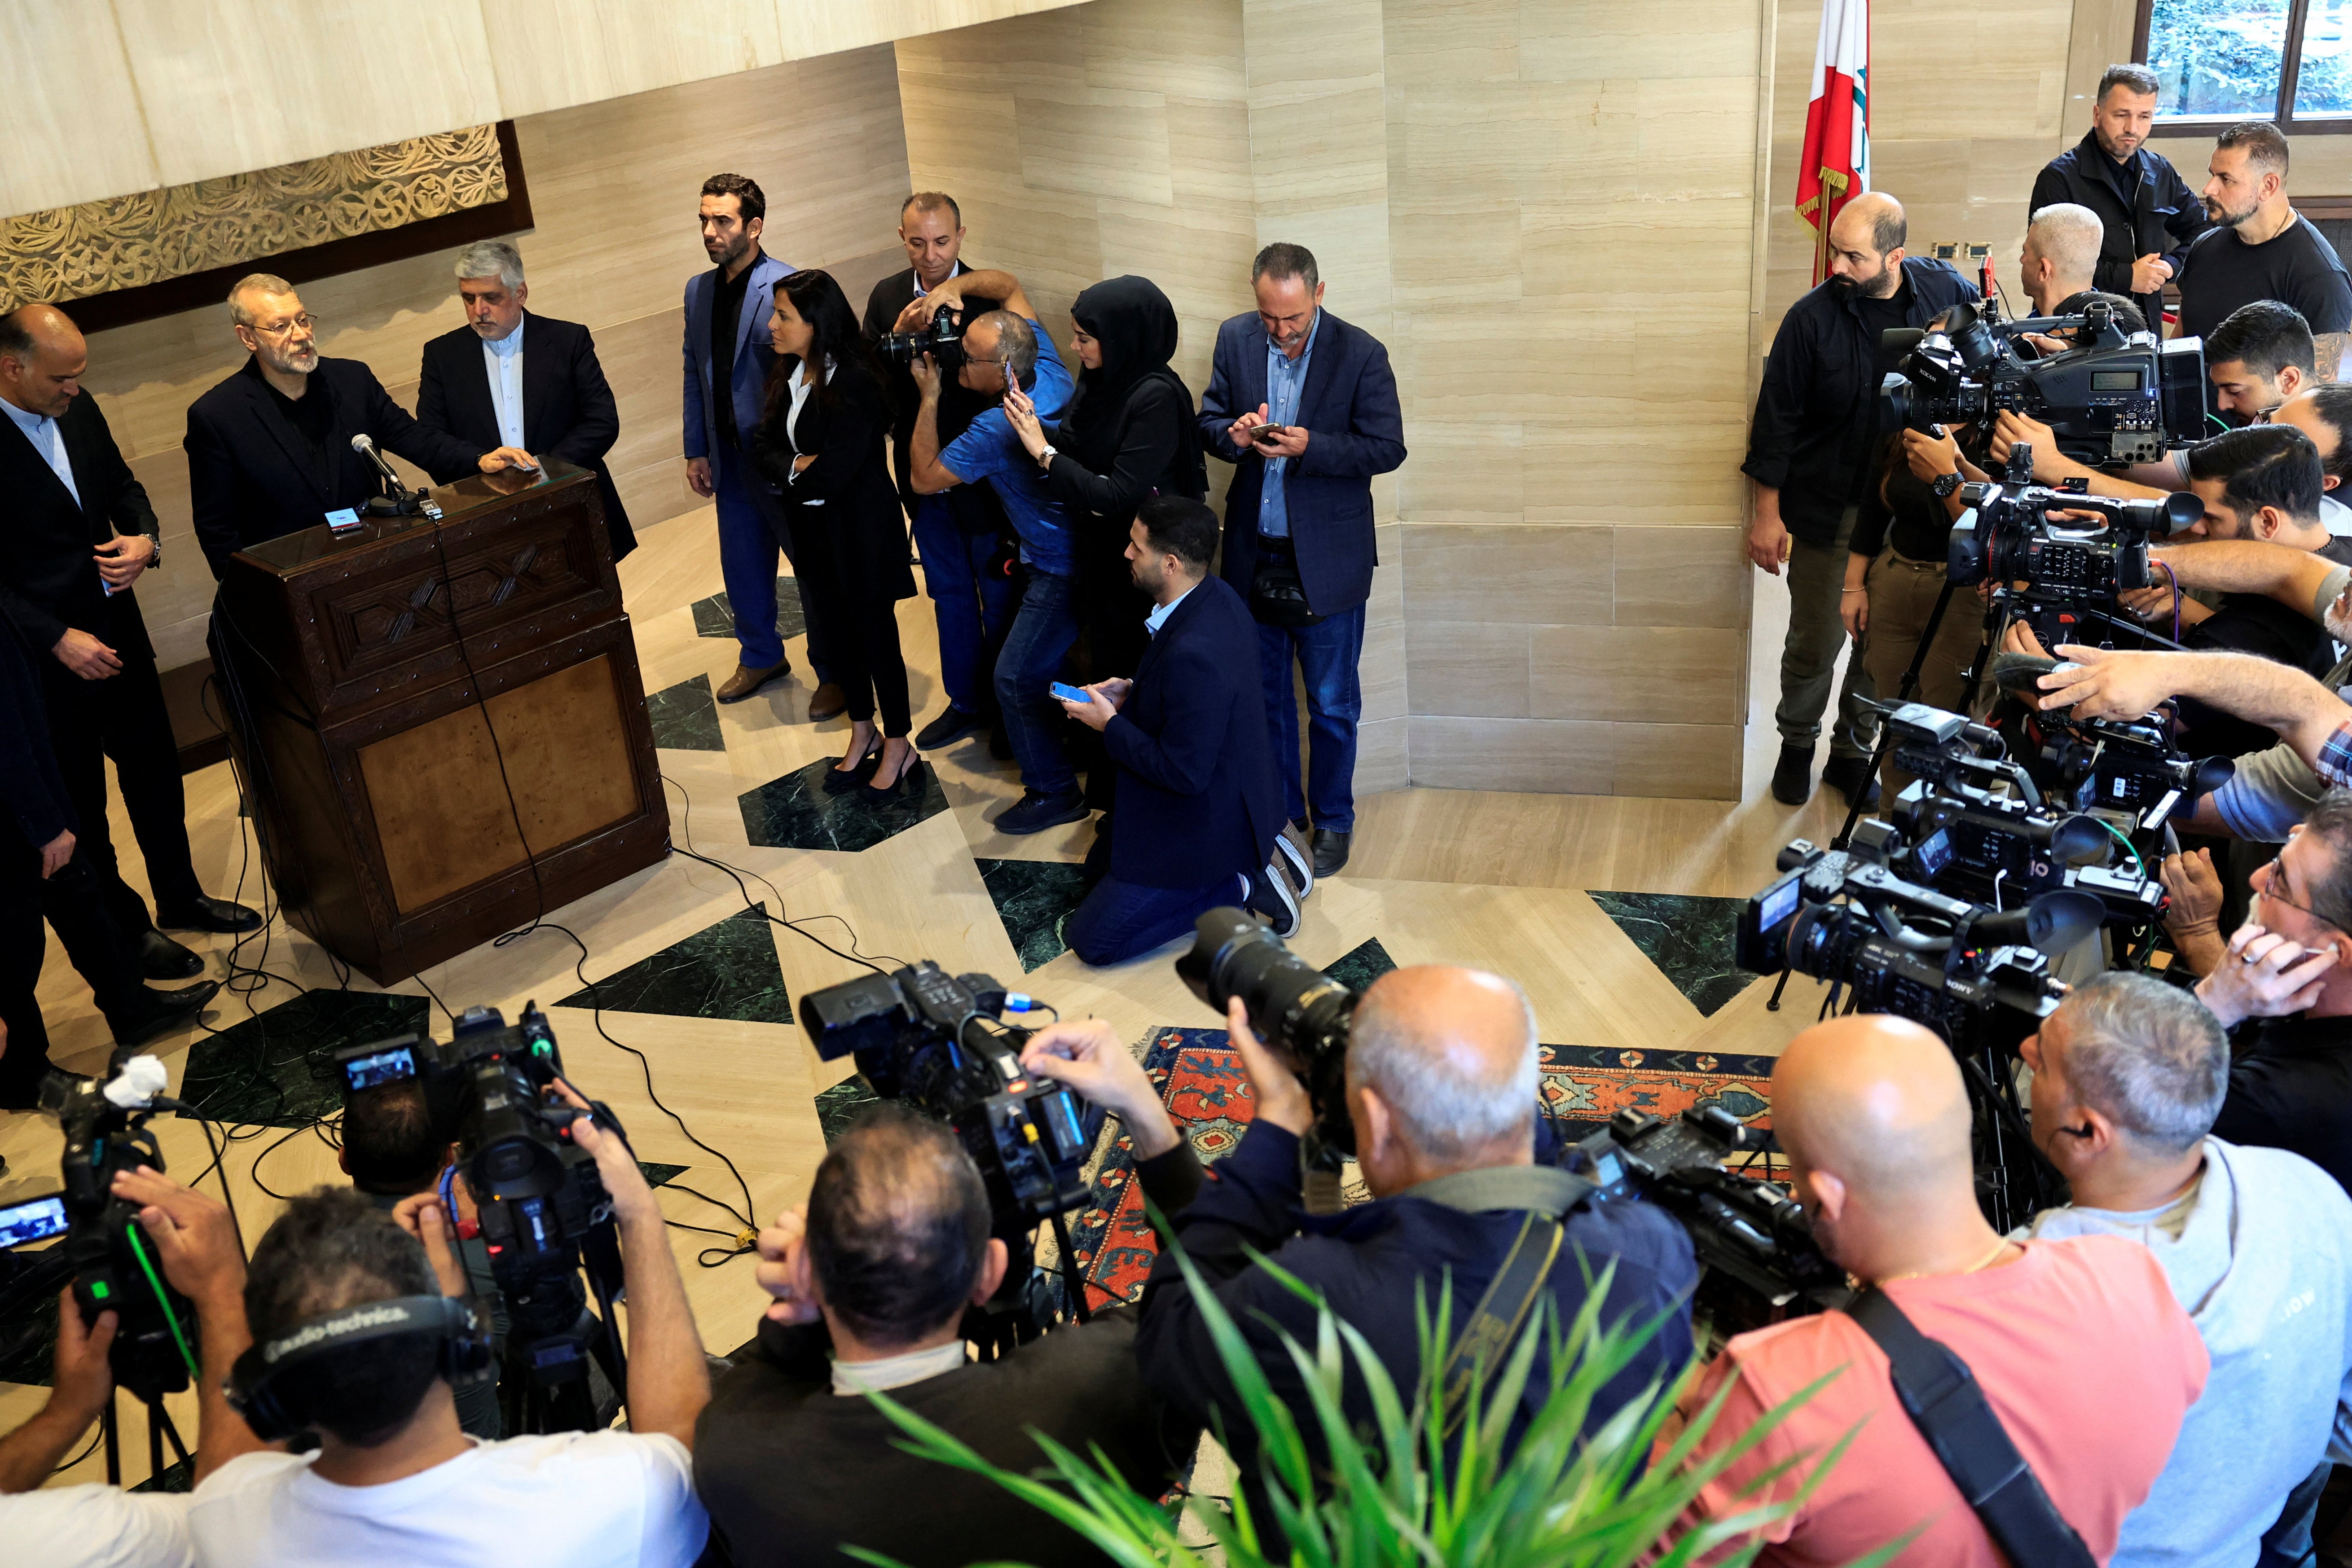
(970,604)
(1327,654)
(1044,629)
(1120,920)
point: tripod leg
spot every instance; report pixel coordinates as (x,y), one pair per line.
(159,1417)
(154,1445)
(1902,695)
(108,1430)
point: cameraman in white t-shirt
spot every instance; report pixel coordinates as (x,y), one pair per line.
(396,1479)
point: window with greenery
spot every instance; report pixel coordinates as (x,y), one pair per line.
(2284,60)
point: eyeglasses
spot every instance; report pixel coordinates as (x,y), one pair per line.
(306,322)
(2277,881)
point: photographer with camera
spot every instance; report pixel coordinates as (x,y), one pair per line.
(2083,1360)
(355,1340)
(1441,1096)
(2129,1074)
(195,1242)
(391,1151)
(2257,358)
(871,1283)
(2146,215)
(1006,350)
(1811,452)
(2056,264)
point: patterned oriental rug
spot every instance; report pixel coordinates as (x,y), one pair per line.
(1201,1083)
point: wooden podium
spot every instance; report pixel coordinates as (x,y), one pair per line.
(440,724)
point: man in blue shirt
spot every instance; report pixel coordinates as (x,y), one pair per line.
(1005,349)
(1305,406)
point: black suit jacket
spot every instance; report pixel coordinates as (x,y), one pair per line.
(47,579)
(1197,799)
(250,477)
(567,410)
(844,512)
(2163,218)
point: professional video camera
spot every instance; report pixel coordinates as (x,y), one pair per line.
(942,340)
(543,1209)
(2115,399)
(2060,577)
(105,1253)
(1295,1007)
(1956,830)
(1977,976)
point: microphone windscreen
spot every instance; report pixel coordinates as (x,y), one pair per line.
(2018,672)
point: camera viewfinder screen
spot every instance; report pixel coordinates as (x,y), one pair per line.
(384,1066)
(2114,381)
(1780,903)
(35,1221)
(1935,852)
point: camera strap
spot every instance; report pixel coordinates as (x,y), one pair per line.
(1945,1402)
(1543,1194)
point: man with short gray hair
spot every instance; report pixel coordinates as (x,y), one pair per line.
(478,386)
(1442,1076)
(2129,1074)
(2147,215)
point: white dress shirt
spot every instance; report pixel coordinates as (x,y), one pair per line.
(502,357)
(48,441)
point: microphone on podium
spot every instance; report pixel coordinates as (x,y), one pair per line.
(397,499)
(364,443)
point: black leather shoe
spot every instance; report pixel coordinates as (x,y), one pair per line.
(1331,851)
(952,725)
(209,914)
(1792,776)
(161,958)
(1035,813)
(153,1012)
(1853,778)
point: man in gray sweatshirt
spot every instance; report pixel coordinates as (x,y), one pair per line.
(2128,1076)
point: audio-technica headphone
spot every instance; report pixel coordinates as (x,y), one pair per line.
(256,1389)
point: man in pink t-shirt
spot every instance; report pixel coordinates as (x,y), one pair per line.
(2079,1345)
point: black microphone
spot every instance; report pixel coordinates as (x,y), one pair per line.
(364,443)
(2020,674)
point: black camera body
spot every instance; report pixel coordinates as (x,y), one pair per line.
(2129,766)
(2113,400)
(942,340)
(1740,1226)
(1297,1010)
(923,1036)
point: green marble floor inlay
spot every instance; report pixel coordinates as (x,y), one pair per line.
(277,1068)
(1360,964)
(1689,937)
(714,616)
(794,812)
(686,717)
(1031,899)
(841,1105)
(726,971)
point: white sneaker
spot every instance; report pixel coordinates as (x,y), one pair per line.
(1291,853)
(1270,894)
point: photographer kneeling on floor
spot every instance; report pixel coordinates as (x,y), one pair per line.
(871,1283)
(2128,1076)
(1441,1084)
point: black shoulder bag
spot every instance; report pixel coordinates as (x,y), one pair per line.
(1941,1396)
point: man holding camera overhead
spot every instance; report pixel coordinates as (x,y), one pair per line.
(1811,453)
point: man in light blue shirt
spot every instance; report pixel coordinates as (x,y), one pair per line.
(1286,379)
(1005,349)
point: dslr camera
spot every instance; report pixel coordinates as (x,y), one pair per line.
(543,1209)
(2114,399)
(1297,1010)
(942,340)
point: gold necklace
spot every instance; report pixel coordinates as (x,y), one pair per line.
(1998,1247)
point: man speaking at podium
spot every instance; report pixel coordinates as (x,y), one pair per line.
(484,386)
(270,450)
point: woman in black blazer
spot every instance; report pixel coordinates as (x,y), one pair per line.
(821,440)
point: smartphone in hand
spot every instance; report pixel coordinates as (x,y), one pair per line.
(1067,693)
(1269,432)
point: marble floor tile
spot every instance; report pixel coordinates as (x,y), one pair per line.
(1032,898)
(659,1176)
(794,812)
(277,1068)
(1360,964)
(725,971)
(1688,936)
(714,616)
(841,1105)
(686,717)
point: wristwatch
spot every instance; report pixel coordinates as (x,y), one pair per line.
(1945,484)
(1046,458)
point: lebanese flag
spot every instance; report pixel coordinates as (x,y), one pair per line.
(1835,165)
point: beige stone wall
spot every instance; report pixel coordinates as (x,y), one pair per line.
(613,193)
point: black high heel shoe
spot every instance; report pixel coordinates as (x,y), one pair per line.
(840,780)
(910,779)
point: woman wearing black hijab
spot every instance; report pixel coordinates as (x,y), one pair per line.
(821,439)
(1128,436)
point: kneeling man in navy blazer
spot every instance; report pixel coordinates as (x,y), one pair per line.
(1198,814)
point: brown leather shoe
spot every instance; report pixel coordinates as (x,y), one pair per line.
(745,681)
(829,702)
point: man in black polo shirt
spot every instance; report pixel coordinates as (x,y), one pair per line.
(2147,215)
(956,532)
(2289,970)
(1812,451)
(2261,250)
